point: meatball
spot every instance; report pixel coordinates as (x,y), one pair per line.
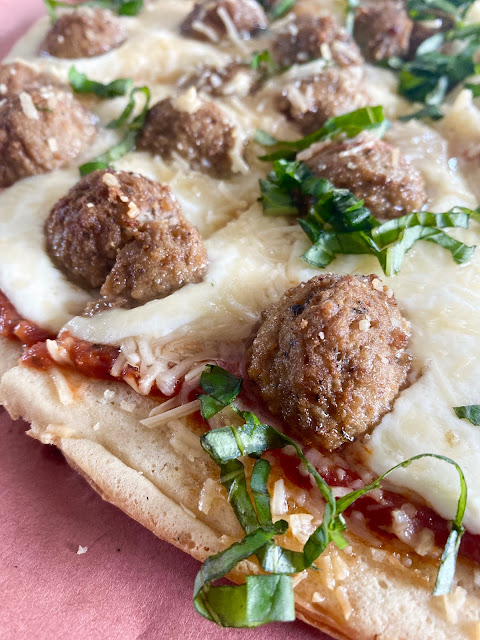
(382,29)
(330,359)
(84,33)
(210,19)
(41,130)
(421,31)
(310,37)
(18,76)
(196,130)
(311,101)
(124,233)
(373,170)
(234,79)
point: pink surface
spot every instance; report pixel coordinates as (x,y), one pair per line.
(128,585)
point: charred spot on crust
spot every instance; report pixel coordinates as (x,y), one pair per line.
(330,373)
(125,234)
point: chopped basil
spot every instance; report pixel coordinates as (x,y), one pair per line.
(81,84)
(432,74)
(128,142)
(263,61)
(278,8)
(349,124)
(470,412)
(221,388)
(350,16)
(429,111)
(431,9)
(336,222)
(474,88)
(122,7)
(271,596)
(262,599)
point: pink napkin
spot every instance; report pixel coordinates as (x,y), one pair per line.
(74,567)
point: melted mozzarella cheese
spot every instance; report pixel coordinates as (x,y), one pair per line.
(253,259)
(27,276)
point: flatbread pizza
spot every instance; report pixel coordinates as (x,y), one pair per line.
(239,291)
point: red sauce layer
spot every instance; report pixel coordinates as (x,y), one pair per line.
(379,515)
(14,327)
(96,361)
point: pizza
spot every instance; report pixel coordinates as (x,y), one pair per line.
(239,291)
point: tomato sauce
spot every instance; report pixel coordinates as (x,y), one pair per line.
(379,515)
(14,327)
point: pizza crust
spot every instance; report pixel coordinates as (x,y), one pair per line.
(361,593)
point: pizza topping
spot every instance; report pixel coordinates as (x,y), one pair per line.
(199,132)
(80,83)
(337,222)
(330,359)
(131,127)
(383,29)
(310,101)
(314,36)
(133,243)
(224,446)
(122,7)
(18,76)
(213,20)
(470,412)
(24,146)
(235,79)
(84,33)
(373,170)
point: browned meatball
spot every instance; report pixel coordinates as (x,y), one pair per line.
(421,31)
(311,101)
(41,130)
(310,37)
(124,233)
(382,29)
(209,19)
(201,134)
(234,79)
(373,170)
(330,359)
(84,33)
(18,76)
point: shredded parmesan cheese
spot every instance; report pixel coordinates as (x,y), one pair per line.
(344,602)
(28,106)
(178,412)
(184,441)
(453,603)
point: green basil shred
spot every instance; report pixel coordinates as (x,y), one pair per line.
(349,124)
(470,412)
(278,8)
(81,84)
(335,220)
(122,7)
(128,142)
(269,597)
(432,74)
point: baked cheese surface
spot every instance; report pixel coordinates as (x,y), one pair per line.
(253,258)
